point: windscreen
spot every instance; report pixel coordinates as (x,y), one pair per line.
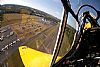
(72,24)
(28,32)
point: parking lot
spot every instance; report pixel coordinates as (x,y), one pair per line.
(9,41)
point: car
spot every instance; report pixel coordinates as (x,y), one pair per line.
(18,39)
(7,35)
(4,30)
(3,49)
(6,47)
(1,38)
(14,42)
(11,44)
(11,33)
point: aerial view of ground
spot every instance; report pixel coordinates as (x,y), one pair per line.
(34,29)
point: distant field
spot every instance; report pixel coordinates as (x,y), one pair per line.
(24,25)
(18,18)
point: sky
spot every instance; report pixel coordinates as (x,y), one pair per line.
(53,7)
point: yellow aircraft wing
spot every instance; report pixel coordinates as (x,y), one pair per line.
(87,25)
(34,58)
